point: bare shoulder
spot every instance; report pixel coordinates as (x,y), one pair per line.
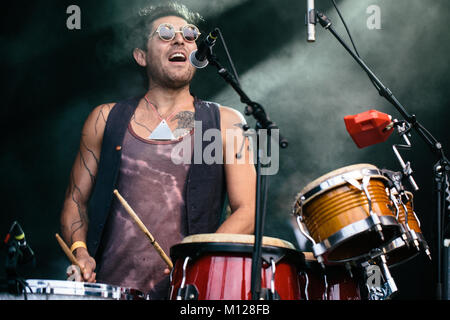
(102,111)
(96,121)
(230,117)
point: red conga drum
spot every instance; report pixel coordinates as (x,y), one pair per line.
(332,283)
(219,266)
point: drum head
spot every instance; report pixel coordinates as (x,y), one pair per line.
(219,243)
(236,238)
(335,178)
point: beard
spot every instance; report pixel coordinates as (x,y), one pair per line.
(170,79)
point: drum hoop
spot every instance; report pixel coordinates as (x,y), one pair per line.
(393,245)
(312,262)
(399,243)
(198,249)
(76,288)
(338,181)
(236,238)
(349,231)
(409,193)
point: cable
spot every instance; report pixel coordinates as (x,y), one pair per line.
(346,28)
(228,56)
(351,39)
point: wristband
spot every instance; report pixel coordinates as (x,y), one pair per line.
(78,244)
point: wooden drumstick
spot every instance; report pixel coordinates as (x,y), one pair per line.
(67,251)
(144,229)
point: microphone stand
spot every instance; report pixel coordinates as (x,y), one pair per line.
(16,285)
(262,122)
(441,169)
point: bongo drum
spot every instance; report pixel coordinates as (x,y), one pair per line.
(347,212)
(332,283)
(219,267)
(409,244)
(41,289)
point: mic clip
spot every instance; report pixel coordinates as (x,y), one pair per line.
(323,19)
(247,133)
(311,17)
(403,130)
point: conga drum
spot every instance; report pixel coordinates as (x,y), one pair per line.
(412,241)
(219,266)
(347,212)
(334,282)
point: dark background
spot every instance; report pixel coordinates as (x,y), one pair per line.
(53,77)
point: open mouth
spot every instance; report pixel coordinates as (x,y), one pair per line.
(177,57)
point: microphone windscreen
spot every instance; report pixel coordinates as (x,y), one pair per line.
(195,62)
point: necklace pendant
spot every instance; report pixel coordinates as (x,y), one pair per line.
(162,132)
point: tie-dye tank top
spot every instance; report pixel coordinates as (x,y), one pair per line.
(153,185)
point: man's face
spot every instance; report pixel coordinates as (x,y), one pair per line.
(168,61)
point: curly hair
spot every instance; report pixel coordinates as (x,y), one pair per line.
(147,15)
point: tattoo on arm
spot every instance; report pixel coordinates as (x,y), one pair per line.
(76,196)
(75,192)
(101,115)
(78,189)
(83,160)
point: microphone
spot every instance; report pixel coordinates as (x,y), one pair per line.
(198,58)
(310,20)
(18,235)
(369,127)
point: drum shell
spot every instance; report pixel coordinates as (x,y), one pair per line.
(339,207)
(340,285)
(413,224)
(408,246)
(223,271)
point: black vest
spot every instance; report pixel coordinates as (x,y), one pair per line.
(205,189)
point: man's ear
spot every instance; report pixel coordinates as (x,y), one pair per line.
(140,57)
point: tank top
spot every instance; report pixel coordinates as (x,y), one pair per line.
(205,191)
(153,185)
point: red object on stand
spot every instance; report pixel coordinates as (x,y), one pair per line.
(369,127)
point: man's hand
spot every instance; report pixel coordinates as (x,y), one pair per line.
(87,264)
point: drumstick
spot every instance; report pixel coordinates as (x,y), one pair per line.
(144,229)
(67,251)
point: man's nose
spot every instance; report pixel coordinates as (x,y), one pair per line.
(178,38)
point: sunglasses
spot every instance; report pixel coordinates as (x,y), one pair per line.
(167,32)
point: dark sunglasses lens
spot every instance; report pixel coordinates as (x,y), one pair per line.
(166,32)
(190,33)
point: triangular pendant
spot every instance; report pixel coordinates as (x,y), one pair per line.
(162,132)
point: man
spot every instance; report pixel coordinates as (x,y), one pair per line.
(134,146)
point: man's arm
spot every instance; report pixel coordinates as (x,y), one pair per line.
(240,174)
(74,217)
